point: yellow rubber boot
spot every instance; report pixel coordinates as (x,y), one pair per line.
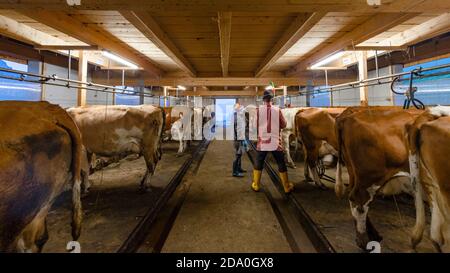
(256,180)
(288,186)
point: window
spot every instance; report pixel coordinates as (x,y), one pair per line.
(128,97)
(224,111)
(321,99)
(17,90)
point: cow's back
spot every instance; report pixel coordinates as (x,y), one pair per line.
(373,139)
(109,130)
(435,136)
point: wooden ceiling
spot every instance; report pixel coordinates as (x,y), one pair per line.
(216,38)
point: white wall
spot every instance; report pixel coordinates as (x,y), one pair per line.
(67,97)
(245,101)
(381,94)
(378,94)
(152,100)
(297,101)
(97,98)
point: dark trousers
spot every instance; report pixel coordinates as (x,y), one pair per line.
(237,164)
(279,158)
(238,150)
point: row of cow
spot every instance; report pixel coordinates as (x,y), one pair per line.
(381,146)
(45,148)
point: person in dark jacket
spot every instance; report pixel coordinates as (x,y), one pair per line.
(239,143)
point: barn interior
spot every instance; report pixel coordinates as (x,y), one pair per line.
(175,53)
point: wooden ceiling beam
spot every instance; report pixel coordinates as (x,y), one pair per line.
(40,40)
(66,47)
(21,32)
(429,29)
(92,36)
(378,48)
(224,21)
(161,7)
(298,28)
(145,23)
(228,93)
(375,25)
(100,76)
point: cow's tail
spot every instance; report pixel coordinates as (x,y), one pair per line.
(161,133)
(339,187)
(413,144)
(65,121)
(413,135)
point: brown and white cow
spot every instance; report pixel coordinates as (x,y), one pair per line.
(177,119)
(429,148)
(289,133)
(122,130)
(371,142)
(40,155)
(189,125)
(316,129)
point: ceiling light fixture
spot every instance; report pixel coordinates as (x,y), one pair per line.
(119,59)
(327,60)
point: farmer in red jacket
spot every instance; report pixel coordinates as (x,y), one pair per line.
(270,121)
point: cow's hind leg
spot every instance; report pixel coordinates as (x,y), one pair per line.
(436,225)
(145,182)
(446,236)
(42,238)
(360,200)
(289,162)
(35,235)
(311,159)
(306,167)
(85,183)
(180,148)
(151,160)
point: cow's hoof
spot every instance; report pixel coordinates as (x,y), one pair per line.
(437,246)
(143,190)
(292,166)
(362,241)
(308,180)
(179,155)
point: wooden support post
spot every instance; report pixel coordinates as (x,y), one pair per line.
(82,76)
(362,70)
(309,89)
(165,96)
(224,20)
(42,72)
(392,96)
(326,84)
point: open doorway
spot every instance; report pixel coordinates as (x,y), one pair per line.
(224,112)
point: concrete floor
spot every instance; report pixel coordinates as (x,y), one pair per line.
(222,214)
